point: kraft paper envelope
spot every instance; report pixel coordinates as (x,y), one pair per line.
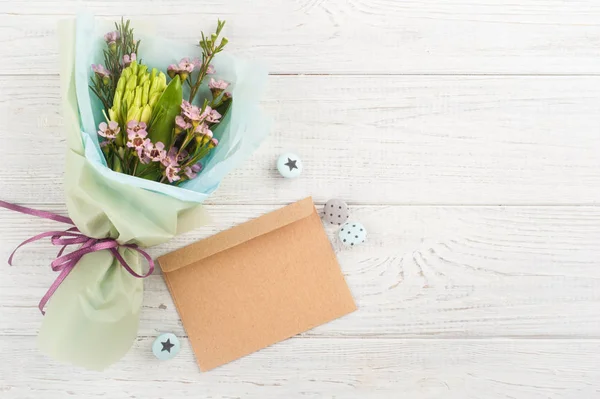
(256,284)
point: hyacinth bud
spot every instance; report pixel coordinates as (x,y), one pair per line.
(146,114)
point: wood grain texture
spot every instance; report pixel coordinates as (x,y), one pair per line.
(425,272)
(342,36)
(480,277)
(383,140)
(324,368)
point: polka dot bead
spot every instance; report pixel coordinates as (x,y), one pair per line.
(166,346)
(352,234)
(335,211)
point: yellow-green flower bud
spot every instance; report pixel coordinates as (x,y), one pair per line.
(117,101)
(145,92)
(131,83)
(121,84)
(134,67)
(142,70)
(154,98)
(129,98)
(143,79)
(146,114)
(132,114)
(112,115)
(137,101)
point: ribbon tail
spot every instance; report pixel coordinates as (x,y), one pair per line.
(61,277)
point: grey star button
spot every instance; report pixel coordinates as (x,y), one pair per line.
(336,211)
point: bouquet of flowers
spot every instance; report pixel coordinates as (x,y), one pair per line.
(152,128)
(150,131)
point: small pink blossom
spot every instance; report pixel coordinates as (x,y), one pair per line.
(213,116)
(136,135)
(192,172)
(217,84)
(172,173)
(173,158)
(134,126)
(142,152)
(112,37)
(210,70)
(202,129)
(191,112)
(186,65)
(100,71)
(128,59)
(215,142)
(197,62)
(181,123)
(109,131)
(156,152)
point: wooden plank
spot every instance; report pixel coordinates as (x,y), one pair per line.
(340,36)
(318,368)
(454,272)
(369,140)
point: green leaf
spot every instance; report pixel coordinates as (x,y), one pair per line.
(164,113)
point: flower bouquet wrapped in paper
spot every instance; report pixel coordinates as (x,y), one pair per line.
(152,127)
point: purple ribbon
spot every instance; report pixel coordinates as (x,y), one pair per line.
(72,236)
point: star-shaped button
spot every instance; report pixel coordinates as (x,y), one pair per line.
(167,345)
(291,164)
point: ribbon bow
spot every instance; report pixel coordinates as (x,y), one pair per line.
(72,236)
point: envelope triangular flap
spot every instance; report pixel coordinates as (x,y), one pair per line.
(237,235)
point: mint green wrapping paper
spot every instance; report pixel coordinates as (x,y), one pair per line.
(92,319)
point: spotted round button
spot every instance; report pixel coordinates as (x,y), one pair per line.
(289,165)
(335,211)
(352,234)
(166,346)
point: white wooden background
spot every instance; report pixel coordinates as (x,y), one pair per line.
(464,134)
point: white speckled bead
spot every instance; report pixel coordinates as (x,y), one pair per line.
(289,165)
(352,234)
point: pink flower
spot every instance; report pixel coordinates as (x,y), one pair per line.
(156,152)
(136,135)
(172,173)
(192,172)
(197,62)
(186,65)
(217,84)
(100,71)
(172,70)
(112,37)
(181,123)
(213,116)
(210,70)
(128,59)
(202,129)
(172,158)
(142,152)
(191,112)
(214,142)
(109,131)
(134,126)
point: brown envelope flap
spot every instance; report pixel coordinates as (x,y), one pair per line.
(236,235)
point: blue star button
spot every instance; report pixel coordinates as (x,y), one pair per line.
(289,165)
(166,346)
